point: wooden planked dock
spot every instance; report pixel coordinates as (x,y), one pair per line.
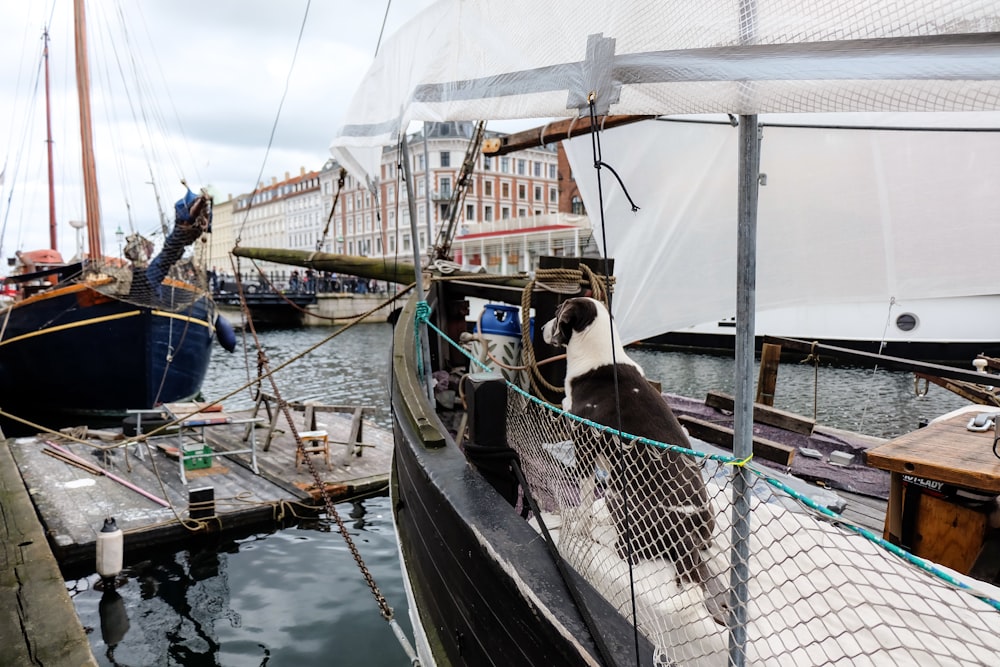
(38,623)
(73,502)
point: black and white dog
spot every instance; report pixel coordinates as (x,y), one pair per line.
(658,500)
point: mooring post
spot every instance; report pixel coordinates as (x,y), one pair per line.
(767,378)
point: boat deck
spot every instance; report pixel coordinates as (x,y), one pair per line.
(858,492)
(73,501)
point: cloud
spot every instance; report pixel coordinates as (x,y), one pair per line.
(205,83)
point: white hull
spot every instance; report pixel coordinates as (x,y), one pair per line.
(953,329)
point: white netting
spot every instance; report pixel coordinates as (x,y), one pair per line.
(819,593)
(485,59)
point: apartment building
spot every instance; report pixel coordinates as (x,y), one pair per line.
(507,197)
(513,210)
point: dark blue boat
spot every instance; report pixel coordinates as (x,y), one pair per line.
(82,343)
(77,354)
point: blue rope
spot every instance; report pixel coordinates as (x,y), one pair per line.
(422,314)
(916,561)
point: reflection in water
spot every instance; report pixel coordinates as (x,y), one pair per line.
(290,597)
(114,618)
(176,602)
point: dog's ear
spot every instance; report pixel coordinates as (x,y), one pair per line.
(575,314)
(564,321)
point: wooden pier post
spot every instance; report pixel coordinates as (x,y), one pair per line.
(767,379)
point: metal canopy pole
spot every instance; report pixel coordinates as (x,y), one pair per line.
(418,277)
(746,272)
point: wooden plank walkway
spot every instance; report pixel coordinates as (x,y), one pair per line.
(73,502)
(38,623)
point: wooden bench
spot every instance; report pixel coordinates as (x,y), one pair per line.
(723,437)
(764,414)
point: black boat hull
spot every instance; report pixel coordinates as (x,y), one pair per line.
(75,355)
(485,587)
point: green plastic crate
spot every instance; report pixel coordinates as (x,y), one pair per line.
(197,458)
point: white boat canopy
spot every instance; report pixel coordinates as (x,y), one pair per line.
(843,214)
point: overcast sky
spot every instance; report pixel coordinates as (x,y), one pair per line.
(224,64)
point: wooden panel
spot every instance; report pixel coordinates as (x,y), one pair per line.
(764,414)
(947,533)
(723,437)
(944,451)
(38,623)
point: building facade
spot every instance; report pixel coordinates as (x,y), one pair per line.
(507,198)
(513,207)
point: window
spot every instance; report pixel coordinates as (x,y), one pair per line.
(522,166)
(505,213)
(505,165)
(505,190)
(553,196)
(538,169)
(538,193)
(470,211)
(522,212)
(444,212)
(576,205)
(552,172)
(487,214)
(488,188)
(487,163)
(522,191)
(445,186)
(445,159)
(420,162)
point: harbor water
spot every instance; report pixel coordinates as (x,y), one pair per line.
(297,597)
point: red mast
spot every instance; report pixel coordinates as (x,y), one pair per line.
(48,141)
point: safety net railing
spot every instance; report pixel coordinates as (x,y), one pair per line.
(657,519)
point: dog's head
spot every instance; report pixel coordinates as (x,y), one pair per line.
(573,316)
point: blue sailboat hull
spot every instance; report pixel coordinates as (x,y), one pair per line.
(74,355)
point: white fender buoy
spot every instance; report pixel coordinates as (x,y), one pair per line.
(110,549)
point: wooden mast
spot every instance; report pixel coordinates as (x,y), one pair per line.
(48,142)
(86,134)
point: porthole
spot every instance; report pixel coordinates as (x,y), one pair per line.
(906,322)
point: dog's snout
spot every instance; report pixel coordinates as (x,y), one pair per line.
(548,332)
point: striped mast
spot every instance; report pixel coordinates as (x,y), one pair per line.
(86,133)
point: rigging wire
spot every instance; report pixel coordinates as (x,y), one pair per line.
(881,347)
(385,18)
(595,142)
(277,117)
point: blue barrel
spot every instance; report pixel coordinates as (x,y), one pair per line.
(499,319)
